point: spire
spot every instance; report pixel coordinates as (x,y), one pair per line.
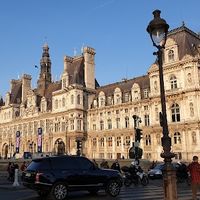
(45,69)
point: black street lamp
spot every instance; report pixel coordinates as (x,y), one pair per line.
(158,29)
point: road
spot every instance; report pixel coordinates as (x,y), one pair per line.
(153,191)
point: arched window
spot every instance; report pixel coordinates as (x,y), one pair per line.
(126,122)
(72,99)
(177,138)
(78,99)
(148,140)
(63,102)
(101,125)
(191,110)
(171,55)
(175,112)
(194,138)
(173,82)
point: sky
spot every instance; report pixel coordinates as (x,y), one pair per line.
(116,29)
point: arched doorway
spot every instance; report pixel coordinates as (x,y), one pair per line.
(5,151)
(59,146)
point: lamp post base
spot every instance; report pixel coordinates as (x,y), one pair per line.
(169,182)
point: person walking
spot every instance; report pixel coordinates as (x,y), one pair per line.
(194,170)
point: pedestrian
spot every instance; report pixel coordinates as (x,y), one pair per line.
(194,170)
(104,164)
(116,166)
(23,166)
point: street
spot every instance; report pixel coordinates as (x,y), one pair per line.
(152,191)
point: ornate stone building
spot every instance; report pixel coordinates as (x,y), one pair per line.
(77,108)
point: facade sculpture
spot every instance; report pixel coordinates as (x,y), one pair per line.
(76,108)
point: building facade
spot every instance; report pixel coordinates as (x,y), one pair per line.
(52,117)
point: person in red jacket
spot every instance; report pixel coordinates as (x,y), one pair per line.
(194,169)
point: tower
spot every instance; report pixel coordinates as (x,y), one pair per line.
(45,71)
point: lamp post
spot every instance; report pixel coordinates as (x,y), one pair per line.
(158,29)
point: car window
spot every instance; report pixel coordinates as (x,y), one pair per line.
(84,163)
(159,166)
(40,164)
(64,163)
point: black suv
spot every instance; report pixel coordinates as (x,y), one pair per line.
(55,176)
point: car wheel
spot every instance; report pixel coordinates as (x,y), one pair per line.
(113,188)
(59,191)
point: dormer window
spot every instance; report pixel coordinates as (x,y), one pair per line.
(126,97)
(146,94)
(171,56)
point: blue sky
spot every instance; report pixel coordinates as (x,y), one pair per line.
(115,28)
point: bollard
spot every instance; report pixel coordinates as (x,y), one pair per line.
(16,183)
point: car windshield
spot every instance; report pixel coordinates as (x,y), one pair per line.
(160,166)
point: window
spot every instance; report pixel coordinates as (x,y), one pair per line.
(118,123)
(102,142)
(148,140)
(127,141)
(135,109)
(146,94)
(101,125)
(109,102)
(173,82)
(146,108)
(126,97)
(117,111)
(175,113)
(146,120)
(78,99)
(126,110)
(194,138)
(63,102)
(109,124)
(136,95)
(72,99)
(177,138)
(78,124)
(94,142)
(156,113)
(118,99)
(191,110)
(110,141)
(94,127)
(118,142)
(158,138)
(101,101)
(126,122)
(71,124)
(171,55)
(178,155)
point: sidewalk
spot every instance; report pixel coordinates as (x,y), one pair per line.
(8,185)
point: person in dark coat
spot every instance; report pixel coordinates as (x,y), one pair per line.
(116,166)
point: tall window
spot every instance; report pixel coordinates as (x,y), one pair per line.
(109,124)
(110,141)
(177,138)
(94,142)
(118,99)
(56,103)
(78,99)
(72,124)
(173,82)
(109,101)
(101,125)
(79,124)
(156,113)
(63,102)
(119,142)
(146,120)
(126,97)
(158,138)
(101,101)
(118,123)
(126,122)
(148,140)
(194,138)
(175,112)
(102,142)
(146,94)
(127,141)
(191,110)
(171,55)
